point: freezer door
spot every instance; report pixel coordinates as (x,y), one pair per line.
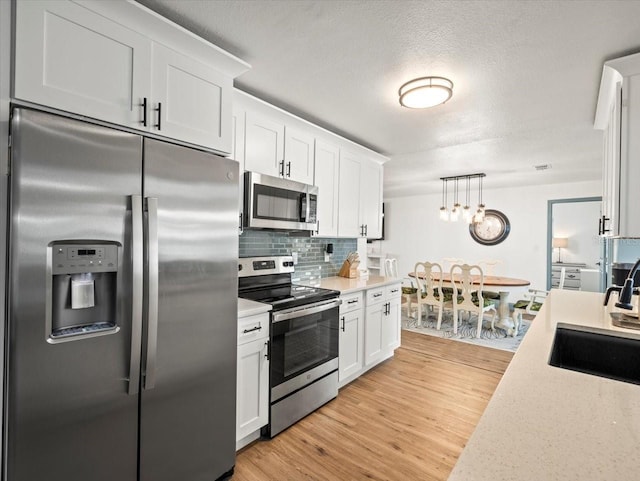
(69,415)
(189,360)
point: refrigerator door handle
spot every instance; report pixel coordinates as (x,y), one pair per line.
(152,295)
(137,261)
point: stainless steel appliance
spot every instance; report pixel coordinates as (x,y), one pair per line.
(122,306)
(275,203)
(303,373)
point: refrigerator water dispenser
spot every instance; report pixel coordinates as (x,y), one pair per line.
(82,289)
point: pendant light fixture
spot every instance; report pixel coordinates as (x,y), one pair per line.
(479,216)
(425,92)
(455,212)
(444,213)
(467,214)
(466,210)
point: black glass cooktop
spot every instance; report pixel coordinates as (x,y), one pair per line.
(286,296)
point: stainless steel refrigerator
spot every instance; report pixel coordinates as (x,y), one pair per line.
(121,338)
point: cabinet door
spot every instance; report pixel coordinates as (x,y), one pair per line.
(351,347)
(298,155)
(252,411)
(72,59)
(373,334)
(349,195)
(391,326)
(371,198)
(611,168)
(327,174)
(237,153)
(191,100)
(264,145)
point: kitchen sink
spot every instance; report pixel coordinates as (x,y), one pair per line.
(599,352)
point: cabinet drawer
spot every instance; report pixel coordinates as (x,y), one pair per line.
(568,283)
(393,291)
(375,296)
(351,302)
(253,327)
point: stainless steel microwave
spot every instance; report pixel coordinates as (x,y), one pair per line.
(275,203)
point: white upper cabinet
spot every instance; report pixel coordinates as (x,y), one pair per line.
(360,194)
(618,115)
(72,59)
(191,100)
(121,63)
(298,155)
(264,145)
(371,199)
(327,169)
(277,149)
(349,195)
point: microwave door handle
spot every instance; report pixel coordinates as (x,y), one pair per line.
(152,295)
(137,261)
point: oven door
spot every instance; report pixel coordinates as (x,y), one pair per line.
(304,346)
(274,203)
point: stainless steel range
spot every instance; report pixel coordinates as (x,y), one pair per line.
(303,374)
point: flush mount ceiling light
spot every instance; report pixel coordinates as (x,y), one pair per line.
(425,92)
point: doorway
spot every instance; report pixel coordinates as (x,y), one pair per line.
(571,222)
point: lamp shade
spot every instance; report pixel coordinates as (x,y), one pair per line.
(559,242)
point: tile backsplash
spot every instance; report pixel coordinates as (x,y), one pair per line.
(311,265)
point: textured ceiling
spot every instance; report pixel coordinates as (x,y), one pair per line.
(526,77)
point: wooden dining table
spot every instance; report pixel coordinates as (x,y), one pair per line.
(504,314)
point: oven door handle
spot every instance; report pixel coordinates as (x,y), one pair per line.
(305,310)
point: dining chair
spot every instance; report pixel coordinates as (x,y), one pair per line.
(409,292)
(488,266)
(448,262)
(467,296)
(530,304)
(429,291)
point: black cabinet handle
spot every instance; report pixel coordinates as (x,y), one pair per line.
(281,168)
(257,328)
(240,226)
(353,301)
(144,111)
(604,224)
(159,110)
(318,228)
(600,226)
(288,169)
(366,230)
(343,323)
(268,354)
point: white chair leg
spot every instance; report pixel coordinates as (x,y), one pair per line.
(480,321)
(456,315)
(439,318)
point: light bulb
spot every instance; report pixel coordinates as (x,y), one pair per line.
(455,212)
(466,214)
(444,213)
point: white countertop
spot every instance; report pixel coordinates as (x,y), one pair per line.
(248,308)
(346,286)
(546,423)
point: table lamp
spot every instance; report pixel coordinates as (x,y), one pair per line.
(559,242)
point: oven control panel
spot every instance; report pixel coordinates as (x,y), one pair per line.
(257,266)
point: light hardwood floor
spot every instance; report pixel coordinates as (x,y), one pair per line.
(407,419)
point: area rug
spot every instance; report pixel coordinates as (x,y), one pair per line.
(496,339)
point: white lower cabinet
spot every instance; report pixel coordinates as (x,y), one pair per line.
(391,322)
(351,346)
(252,404)
(369,334)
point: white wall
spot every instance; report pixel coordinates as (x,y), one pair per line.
(414,231)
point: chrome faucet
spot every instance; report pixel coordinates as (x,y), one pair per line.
(626,291)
